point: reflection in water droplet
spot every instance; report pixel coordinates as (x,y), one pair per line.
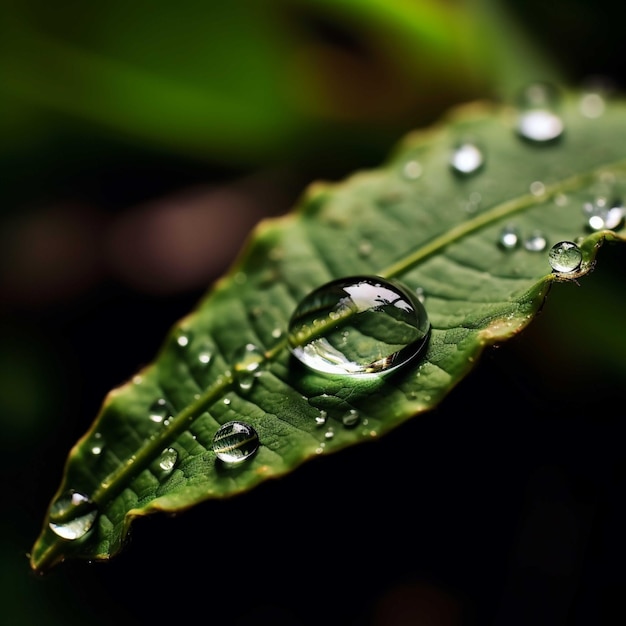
(412,169)
(97,444)
(602,214)
(72,515)
(565,256)
(358,326)
(351,418)
(235,442)
(168,459)
(467,158)
(535,242)
(205,357)
(320,420)
(329,434)
(248,362)
(160,410)
(538,121)
(509,237)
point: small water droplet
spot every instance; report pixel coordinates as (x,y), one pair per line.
(249,360)
(168,459)
(350,418)
(509,237)
(603,214)
(537,188)
(320,419)
(329,434)
(467,158)
(565,256)
(536,241)
(226,401)
(72,515)
(205,357)
(160,410)
(538,121)
(235,442)
(97,444)
(365,249)
(277,333)
(358,326)
(182,341)
(592,105)
(412,170)
(561,199)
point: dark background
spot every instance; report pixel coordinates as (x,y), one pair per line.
(119,209)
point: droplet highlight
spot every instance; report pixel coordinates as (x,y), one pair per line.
(467,158)
(538,121)
(235,442)
(248,365)
(535,242)
(565,256)
(509,237)
(160,410)
(602,214)
(358,326)
(72,515)
(168,459)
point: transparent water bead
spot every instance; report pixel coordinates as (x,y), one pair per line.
(467,158)
(602,214)
(565,256)
(509,237)
(235,442)
(72,515)
(168,459)
(536,242)
(358,326)
(249,360)
(160,410)
(538,120)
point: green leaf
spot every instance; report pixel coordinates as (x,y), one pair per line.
(414,220)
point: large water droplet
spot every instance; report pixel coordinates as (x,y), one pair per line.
(235,442)
(467,158)
(538,120)
(565,256)
(358,326)
(602,214)
(72,515)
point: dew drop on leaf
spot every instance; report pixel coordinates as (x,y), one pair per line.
(412,170)
(602,214)
(538,121)
(248,363)
(350,418)
(72,515)
(160,410)
(565,256)
(536,241)
(358,326)
(509,237)
(235,442)
(168,459)
(467,158)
